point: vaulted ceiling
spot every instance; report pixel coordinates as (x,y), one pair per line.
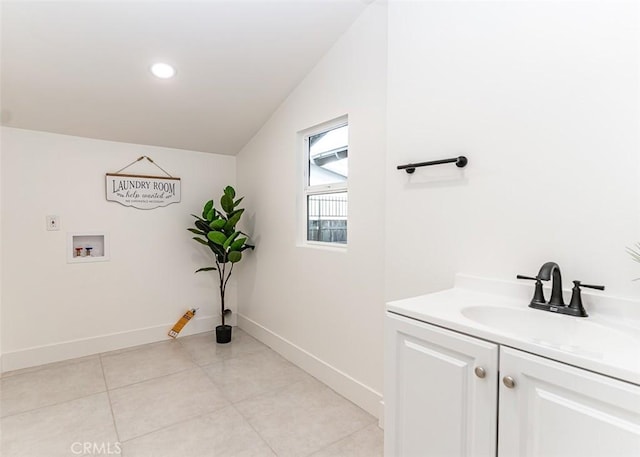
(82,67)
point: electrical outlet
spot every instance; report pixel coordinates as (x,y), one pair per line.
(53,223)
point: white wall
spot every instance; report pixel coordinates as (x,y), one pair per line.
(323,308)
(1,213)
(53,310)
(542,97)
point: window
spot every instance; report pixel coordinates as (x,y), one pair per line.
(326,159)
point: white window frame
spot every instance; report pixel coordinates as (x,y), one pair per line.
(306,190)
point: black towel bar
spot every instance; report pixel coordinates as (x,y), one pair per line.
(460,162)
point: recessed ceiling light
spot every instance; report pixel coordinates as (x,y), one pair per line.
(163,70)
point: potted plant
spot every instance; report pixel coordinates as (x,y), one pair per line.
(216,229)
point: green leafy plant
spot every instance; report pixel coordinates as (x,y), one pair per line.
(634,252)
(216,229)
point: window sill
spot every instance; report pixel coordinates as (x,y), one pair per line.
(342,248)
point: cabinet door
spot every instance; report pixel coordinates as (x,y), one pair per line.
(559,410)
(435,405)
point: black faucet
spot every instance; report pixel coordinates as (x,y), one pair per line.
(545,273)
(556,303)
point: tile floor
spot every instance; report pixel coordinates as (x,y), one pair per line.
(188,397)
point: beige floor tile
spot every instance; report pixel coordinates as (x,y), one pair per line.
(126,367)
(248,375)
(204,349)
(147,406)
(166,405)
(49,385)
(53,430)
(7,374)
(368,442)
(303,418)
(223,433)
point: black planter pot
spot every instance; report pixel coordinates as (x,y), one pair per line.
(223,334)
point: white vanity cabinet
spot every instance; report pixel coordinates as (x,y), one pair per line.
(443,388)
(554,409)
(435,403)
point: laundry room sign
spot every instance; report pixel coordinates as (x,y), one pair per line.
(141,191)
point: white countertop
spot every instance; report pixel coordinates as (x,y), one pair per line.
(607,342)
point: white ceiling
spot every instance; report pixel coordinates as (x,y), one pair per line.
(82,67)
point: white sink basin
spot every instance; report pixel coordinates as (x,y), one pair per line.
(569,333)
(607,342)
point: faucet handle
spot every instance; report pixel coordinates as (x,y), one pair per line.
(575,306)
(527,277)
(588,285)
(538,295)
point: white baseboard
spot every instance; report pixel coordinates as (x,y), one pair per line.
(65,350)
(350,388)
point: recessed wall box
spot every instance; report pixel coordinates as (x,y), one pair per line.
(87,247)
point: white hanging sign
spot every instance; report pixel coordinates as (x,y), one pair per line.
(142,192)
